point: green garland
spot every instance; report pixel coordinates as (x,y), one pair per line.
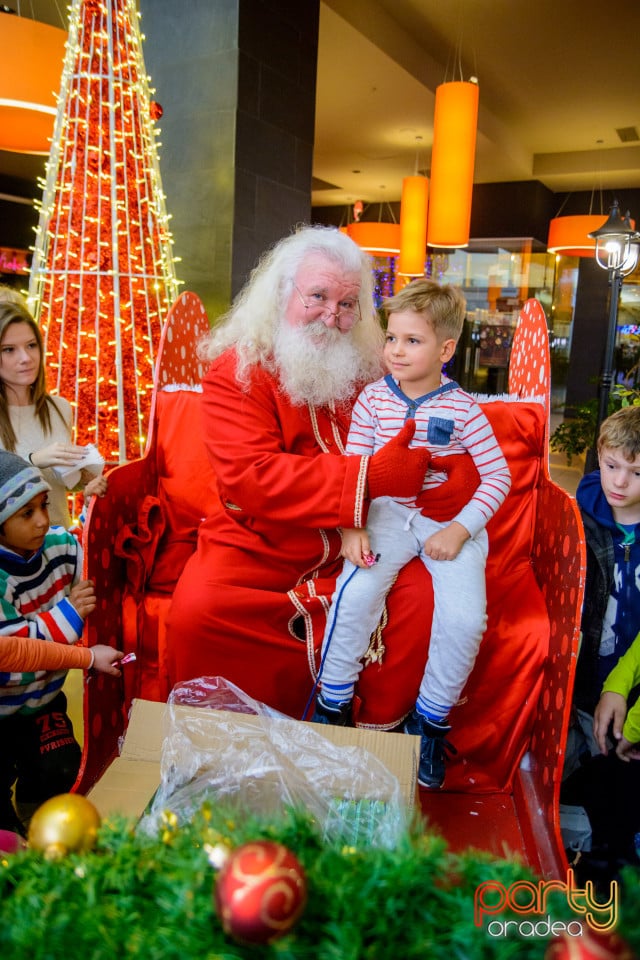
(151,897)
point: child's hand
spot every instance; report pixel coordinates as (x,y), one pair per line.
(627,751)
(83,597)
(105,659)
(95,488)
(355,546)
(446,544)
(611,707)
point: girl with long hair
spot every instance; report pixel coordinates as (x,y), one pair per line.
(33,423)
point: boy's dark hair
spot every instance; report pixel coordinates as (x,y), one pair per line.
(444,307)
(621,431)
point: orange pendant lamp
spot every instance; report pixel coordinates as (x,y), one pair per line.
(413,226)
(30,73)
(378,239)
(569,236)
(452,162)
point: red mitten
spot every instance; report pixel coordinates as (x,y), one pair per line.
(445,501)
(396,471)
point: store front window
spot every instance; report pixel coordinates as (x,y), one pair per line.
(562,317)
(497,278)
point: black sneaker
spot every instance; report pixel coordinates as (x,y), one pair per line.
(337,714)
(434,749)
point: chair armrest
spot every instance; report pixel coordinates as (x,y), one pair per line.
(559,563)
(103,712)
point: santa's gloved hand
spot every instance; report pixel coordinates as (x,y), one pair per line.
(445,501)
(395,470)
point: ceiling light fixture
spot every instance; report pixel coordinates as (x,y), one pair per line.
(413,223)
(570,236)
(378,239)
(452,163)
(30,72)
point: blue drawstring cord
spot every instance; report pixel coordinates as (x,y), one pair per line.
(326,649)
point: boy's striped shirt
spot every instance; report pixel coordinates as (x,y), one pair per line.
(34,603)
(448,420)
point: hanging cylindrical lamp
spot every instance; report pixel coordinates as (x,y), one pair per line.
(452,163)
(413,226)
(30,72)
(377,238)
(569,236)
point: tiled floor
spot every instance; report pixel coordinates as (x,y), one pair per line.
(74,688)
(566,476)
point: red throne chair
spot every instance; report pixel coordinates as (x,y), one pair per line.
(503,795)
(535,587)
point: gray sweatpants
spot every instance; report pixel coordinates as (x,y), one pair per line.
(398,533)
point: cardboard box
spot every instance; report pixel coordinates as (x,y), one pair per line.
(129,783)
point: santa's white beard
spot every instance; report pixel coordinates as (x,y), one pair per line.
(318,364)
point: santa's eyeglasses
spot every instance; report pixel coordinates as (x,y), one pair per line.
(347,314)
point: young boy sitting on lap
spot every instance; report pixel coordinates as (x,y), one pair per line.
(425,321)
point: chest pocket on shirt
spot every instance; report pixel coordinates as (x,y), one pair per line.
(439,431)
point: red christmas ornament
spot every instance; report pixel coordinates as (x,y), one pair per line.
(260,892)
(590,945)
(11,842)
(155,110)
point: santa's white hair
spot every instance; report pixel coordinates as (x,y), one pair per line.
(314,365)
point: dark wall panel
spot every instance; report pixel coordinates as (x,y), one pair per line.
(190,53)
(236,80)
(275,125)
(519,209)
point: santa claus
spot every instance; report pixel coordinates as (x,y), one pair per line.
(287,361)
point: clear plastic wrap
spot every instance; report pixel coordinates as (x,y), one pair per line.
(234,750)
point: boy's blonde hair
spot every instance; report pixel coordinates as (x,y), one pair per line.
(621,431)
(443,307)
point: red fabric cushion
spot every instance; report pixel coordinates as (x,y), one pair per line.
(519,429)
(186,485)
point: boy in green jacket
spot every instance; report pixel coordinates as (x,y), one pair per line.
(612,707)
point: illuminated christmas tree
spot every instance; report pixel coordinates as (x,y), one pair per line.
(103,277)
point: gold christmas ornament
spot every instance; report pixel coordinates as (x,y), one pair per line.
(64,824)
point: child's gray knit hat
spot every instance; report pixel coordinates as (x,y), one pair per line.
(19,482)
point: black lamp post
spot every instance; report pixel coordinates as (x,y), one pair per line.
(617,246)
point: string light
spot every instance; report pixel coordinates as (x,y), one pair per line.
(102,261)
